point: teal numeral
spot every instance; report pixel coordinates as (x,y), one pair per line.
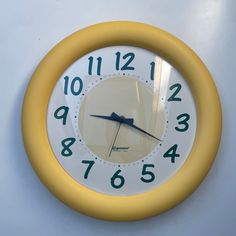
(117,180)
(183,120)
(129,56)
(147,173)
(61,113)
(66,144)
(90,67)
(152,71)
(76,85)
(176,88)
(90,164)
(171,153)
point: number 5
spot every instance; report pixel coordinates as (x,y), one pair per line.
(147,173)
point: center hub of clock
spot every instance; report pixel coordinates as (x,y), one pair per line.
(121,119)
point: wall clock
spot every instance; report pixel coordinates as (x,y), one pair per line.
(121,121)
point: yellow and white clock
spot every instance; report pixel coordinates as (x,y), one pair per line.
(121,121)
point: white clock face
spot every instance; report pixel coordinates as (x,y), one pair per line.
(121,120)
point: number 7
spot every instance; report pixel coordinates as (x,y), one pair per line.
(90,164)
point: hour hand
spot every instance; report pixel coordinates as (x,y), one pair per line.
(115,117)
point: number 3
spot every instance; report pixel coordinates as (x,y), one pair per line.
(183,122)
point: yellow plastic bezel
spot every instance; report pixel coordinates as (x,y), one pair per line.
(157,200)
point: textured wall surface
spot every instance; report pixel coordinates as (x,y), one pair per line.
(28,31)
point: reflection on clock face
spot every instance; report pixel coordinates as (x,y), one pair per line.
(121,120)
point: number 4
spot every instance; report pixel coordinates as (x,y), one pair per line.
(172,153)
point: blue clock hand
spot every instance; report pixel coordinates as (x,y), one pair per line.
(115,117)
(127,122)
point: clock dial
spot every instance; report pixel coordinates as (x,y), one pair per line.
(121,120)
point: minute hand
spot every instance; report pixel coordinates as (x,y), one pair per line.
(141,130)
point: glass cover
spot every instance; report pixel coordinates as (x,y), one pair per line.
(121,120)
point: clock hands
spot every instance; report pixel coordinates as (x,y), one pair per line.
(127,121)
(114,117)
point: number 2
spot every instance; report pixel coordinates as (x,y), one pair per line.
(176,87)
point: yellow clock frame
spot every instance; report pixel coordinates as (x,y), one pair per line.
(157,200)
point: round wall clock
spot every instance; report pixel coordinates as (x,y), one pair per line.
(121,121)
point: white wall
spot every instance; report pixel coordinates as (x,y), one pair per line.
(29,29)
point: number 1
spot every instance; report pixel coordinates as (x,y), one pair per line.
(152,64)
